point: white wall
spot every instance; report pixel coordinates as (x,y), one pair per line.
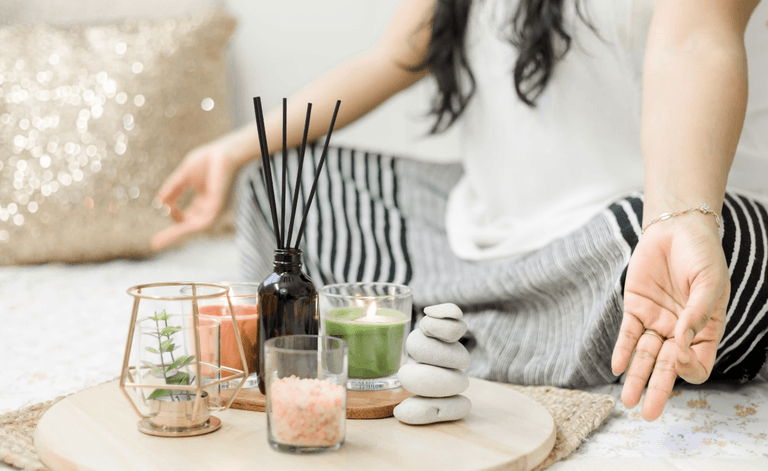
(95,11)
(279,46)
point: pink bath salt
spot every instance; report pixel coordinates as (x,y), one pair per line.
(307,412)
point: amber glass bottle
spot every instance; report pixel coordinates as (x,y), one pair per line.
(287,303)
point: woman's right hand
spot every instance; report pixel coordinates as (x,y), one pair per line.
(210,170)
(362,84)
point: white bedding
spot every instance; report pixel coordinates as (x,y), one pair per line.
(63,328)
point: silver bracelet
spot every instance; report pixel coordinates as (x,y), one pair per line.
(703,208)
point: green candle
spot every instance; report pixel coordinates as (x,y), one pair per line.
(375,338)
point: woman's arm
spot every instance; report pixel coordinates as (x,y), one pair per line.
(694,102)
(361,84)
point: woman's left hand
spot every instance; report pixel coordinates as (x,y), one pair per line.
(678,286)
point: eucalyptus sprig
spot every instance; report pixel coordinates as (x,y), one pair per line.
(172,372)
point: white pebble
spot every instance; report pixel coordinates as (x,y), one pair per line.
(447,330)
(432,381)
(419,410)
(444,311)
(436,352)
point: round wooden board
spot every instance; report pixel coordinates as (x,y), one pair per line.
(96,429)
(360,404)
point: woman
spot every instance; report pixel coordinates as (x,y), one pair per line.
(588,105)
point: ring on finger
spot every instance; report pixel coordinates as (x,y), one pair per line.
(655,334)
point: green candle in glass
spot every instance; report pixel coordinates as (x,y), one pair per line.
(374,319)
(375,337)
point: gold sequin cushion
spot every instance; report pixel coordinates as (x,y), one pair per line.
(92,121)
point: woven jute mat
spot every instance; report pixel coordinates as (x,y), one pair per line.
(576,414)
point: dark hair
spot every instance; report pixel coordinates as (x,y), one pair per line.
(535,29)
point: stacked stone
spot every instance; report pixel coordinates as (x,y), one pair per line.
(436,378)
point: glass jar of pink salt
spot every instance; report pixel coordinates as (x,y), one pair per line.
(305,379)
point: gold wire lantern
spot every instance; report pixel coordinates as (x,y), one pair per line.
(172,361)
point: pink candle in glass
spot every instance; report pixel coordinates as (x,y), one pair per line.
(247,317)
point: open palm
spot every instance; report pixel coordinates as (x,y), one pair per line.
(677,285)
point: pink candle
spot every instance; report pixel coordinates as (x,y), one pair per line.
(247,317)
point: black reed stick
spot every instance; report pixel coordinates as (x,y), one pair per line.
(285,169)
(317,174)
(267,168)
(298,176)
(278,189)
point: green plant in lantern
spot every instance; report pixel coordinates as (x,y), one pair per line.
(171,371)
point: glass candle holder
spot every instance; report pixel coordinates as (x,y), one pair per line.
(305,377)
(166,350)
(374,319)
(243,297)
(172,371)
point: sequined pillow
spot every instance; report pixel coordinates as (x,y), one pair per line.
(92,121)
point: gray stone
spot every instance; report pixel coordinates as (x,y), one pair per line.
(444,311)
(436,352)
(419,410)
(447,330)
(432,381)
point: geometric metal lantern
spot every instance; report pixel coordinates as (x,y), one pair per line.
(172,372)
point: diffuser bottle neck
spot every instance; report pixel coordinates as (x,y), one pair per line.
(287,260)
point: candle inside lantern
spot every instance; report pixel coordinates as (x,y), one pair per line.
(247,317)
(375,337)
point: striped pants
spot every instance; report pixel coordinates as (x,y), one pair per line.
(549,317)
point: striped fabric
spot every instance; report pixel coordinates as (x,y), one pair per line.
(354,231)
(549,317)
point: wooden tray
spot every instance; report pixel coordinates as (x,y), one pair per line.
(360,404)
(95,429)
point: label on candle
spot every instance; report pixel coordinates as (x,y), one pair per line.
(375,342)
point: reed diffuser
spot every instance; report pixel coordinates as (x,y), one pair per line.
(287,297)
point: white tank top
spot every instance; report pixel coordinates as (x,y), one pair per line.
(533,175)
